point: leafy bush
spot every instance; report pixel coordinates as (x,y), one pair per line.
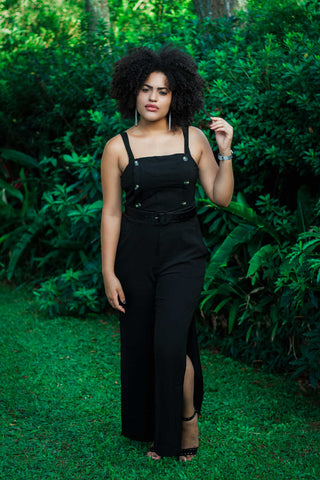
(260,291)
(62,115)
(267,86)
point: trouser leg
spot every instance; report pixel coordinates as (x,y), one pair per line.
(177,296)
(137,369)
(135,257)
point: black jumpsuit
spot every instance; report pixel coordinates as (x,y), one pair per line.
(161,269)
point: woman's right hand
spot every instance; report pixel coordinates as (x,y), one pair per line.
(114,292)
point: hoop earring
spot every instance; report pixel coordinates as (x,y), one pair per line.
(136,117)
(169,121)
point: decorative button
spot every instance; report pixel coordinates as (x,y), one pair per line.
(136,187)
(138,205)
(183,203)
(186,182)
(136,163)
(185,159)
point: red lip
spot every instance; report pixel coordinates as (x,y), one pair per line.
(152,107)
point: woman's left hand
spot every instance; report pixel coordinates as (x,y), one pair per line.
(224,133)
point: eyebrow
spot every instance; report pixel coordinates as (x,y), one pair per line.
(159,88)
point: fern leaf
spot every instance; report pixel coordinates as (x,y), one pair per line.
(19,158)
(11,189)
(303,208)
(233,315)
(249,333)
(241,199)
(241,234)
(33,229)
(221,305)
(248,214)
(260,258)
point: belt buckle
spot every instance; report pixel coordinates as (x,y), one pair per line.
(161,218)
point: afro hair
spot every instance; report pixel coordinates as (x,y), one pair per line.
(185,83)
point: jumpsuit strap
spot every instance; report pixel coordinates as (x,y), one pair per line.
(125,139)
(186,140)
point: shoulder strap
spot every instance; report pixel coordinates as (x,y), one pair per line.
(186,140)
(125,139)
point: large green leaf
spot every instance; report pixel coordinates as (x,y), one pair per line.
(241,199)
(19,158)
(303,208)
(11,189)
(19,248)
(241,234)
(97,205)
(246,213)
(233,315)
(260,258)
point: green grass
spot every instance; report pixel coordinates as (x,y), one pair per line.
(60,409)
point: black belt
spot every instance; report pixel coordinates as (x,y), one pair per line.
(160,218)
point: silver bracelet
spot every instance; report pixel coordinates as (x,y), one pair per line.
(225,157)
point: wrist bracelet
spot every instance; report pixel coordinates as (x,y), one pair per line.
(225,157)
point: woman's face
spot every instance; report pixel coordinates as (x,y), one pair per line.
(154,97)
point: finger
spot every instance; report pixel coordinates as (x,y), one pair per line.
(114,302)
(215,119)
(121,295)
(222,128)
(121,309)
(117,305)
(218,125)
(220,121)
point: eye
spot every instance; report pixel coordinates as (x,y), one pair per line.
(145,89)
(163,92)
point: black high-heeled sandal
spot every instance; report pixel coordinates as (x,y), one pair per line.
(193,450)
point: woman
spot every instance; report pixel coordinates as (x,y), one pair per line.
(153,255)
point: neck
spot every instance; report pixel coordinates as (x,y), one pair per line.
(160,126)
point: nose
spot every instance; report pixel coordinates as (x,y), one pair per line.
(153,97)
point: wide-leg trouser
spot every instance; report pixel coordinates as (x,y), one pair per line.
(161,269)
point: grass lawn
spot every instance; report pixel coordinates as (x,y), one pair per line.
(60,409)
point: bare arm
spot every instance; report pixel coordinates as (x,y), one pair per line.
(217,181)
(111,221)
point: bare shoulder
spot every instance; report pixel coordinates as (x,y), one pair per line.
(114,155)
(197,137)
(113,148)
(198,143)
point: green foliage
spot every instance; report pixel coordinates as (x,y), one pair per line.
(72,291)
(261,291)
(28,24)
(300,274)
(265,296)
(164,17)
(267,85)
(309,363)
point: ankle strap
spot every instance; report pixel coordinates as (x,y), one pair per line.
(186,419)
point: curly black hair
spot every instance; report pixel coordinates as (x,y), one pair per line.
(186,84)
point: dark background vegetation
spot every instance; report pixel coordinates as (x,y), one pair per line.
(260,301)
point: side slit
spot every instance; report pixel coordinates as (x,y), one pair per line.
(194,355)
